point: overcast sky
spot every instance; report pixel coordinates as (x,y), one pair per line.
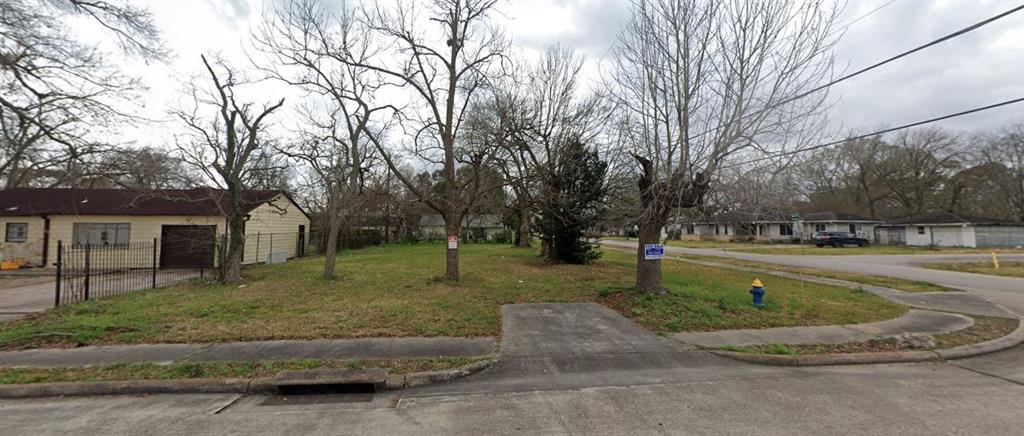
(983,67)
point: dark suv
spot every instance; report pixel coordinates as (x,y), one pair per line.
(838,239)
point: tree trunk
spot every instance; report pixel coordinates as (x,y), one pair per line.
(231,271)
(331,249)
(451,259)
(524,228)
(648,272)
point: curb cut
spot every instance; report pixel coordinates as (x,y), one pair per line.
(263,385)
(1013,339)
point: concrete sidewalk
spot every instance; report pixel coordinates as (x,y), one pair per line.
(914,322)
(336,349)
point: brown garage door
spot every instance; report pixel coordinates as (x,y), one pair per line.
(186,246)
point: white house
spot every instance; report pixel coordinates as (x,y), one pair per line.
(817,222)
(945,229)
(775,226)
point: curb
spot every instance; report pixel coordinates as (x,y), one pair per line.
(265,385)
(1013,339)
(400,381)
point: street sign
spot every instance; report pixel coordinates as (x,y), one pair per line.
(654,251)
(453,242)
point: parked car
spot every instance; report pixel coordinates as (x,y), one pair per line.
(838,239)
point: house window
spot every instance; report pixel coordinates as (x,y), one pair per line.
(920,230)
(819,228)
(717,230)
(16,232)
(690,230)
(102,234)
(853,228)
(785,230)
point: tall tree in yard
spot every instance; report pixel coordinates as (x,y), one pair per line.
(320,52)
(444,55)
(223,147)
(698,81)
(58,92)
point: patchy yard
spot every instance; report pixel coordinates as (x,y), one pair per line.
(153,371)
(1007,269)
(887,282)
(394,291)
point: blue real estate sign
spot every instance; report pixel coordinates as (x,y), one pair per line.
(654,251)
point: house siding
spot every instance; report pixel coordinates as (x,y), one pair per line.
(280,218)
(143,230)
(31,251)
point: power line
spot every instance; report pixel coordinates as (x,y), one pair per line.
(955,34)
(880,132)
(854,21)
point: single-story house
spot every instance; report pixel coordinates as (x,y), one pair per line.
(728,226)
(474,227)
(36,220)
(946,229)
(816,222)
(775,226)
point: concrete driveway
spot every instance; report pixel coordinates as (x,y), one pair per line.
(20,297)
(1005,291)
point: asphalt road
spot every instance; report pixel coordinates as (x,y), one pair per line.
(1005,291)
(582,369)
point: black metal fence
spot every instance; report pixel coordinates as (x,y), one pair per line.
(87,272)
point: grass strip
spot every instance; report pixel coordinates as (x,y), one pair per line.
(252,369)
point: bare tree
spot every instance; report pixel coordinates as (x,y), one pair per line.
(58,92)
(444,65)
(539,120)
(321,52)
(223,148)
(1006,148)
(697,81)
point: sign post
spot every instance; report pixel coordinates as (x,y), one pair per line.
(654,251)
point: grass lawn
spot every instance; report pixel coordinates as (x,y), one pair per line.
(888,282)
(1008,269)
(152,371)
(394,291)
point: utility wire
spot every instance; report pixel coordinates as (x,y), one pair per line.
(958,33)
(872,12)
(880,132)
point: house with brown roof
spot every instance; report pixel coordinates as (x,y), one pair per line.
(35,221)
(946,229)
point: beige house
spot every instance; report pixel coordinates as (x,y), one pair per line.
(183,224)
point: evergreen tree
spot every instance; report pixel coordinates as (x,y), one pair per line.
(572,202)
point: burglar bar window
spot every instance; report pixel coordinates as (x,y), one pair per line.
(104,234)
(16,232)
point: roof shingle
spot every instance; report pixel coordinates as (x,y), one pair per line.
(72,201)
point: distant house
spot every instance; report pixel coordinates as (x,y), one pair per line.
(774,226)
(34,220)
(816,222)
(474,227)
(729,226)
(945,229)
